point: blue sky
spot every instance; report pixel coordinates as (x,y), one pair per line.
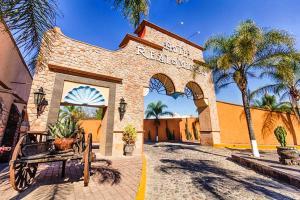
(96,22)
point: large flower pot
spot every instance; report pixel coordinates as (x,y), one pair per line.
(62,144)
(288,155)
(128,149)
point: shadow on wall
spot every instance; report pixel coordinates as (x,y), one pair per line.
(173,129)
(234,129)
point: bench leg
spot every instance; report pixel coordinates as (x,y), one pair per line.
(63,169)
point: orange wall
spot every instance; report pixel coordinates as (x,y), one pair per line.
(234,127)
(176,126)
(92,126)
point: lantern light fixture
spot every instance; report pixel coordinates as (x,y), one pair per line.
(40,101)
(122,108)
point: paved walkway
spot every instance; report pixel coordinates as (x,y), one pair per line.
(177,171)
(111,180)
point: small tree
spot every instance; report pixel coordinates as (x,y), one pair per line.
(157,110)
(280,134)
(129,134)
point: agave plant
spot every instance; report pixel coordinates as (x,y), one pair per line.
(66,128)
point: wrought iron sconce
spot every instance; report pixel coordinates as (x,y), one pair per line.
(122,108)
(40,101)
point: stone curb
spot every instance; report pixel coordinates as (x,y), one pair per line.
(142,185)
(266,170)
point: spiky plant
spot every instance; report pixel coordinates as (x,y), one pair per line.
(157,110)
(64,128)
(280,135)
(245,53)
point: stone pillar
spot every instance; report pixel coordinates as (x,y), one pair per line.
(208,136)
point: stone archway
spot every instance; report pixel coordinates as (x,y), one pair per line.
(152,52)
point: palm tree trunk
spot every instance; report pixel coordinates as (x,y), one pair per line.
(295,108)
(246,105)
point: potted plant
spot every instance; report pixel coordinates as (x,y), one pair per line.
(129,138)
(287,155)
(64,132)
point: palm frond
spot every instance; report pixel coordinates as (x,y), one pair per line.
(28,20)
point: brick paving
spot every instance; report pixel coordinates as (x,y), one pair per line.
(111,179)
(179,171)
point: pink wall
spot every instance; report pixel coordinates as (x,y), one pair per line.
(12,66)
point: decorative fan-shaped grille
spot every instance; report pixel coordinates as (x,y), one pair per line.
(85,95)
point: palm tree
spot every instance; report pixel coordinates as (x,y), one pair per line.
(244,54)
(286,77)
(74,112)
(28,20)
(157,110)
(269,102)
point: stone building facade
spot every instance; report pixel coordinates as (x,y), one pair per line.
(154,52)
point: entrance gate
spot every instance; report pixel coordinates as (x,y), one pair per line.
(125,73)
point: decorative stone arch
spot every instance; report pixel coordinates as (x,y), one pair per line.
(166,81)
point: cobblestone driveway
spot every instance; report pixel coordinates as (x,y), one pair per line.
(178,171)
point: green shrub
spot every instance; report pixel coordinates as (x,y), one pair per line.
(129,134)
(280,134)
(65,128)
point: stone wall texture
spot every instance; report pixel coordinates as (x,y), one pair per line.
(135,71)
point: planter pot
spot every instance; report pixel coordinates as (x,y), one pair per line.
(288,155)
(62,144)
(128,149)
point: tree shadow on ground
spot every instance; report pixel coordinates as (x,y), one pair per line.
(55,187)
(220,183)
(170,148)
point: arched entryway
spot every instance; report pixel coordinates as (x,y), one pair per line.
(181,127)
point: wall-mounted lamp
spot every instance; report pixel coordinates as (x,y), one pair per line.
(40,101)
(122,108)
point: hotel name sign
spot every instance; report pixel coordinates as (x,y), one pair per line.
(180,59)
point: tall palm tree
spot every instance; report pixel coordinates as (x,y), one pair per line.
(249,50)
(269,102)
(286,78)
(157,110)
